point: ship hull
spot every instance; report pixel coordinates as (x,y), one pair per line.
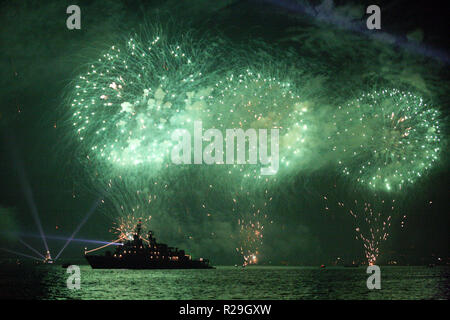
(110,262)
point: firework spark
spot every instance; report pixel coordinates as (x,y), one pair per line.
(126,105)
(386,139)
(372,217)
(125,227)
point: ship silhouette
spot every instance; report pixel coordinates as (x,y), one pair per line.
(141,253)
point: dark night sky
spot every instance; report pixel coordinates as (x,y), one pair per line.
(39,57)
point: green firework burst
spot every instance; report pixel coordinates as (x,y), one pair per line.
(259,100)
(126,105)
(386,139)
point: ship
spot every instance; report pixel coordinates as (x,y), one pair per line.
(48,258)
(145,253)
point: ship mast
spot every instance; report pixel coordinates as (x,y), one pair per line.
(137,233)
(138,228)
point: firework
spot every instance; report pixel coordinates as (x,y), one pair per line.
(245,100)
(126,105)
(386,139)
(252,211)
(251,235)
(372,215)
(259,100)
(125,227)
